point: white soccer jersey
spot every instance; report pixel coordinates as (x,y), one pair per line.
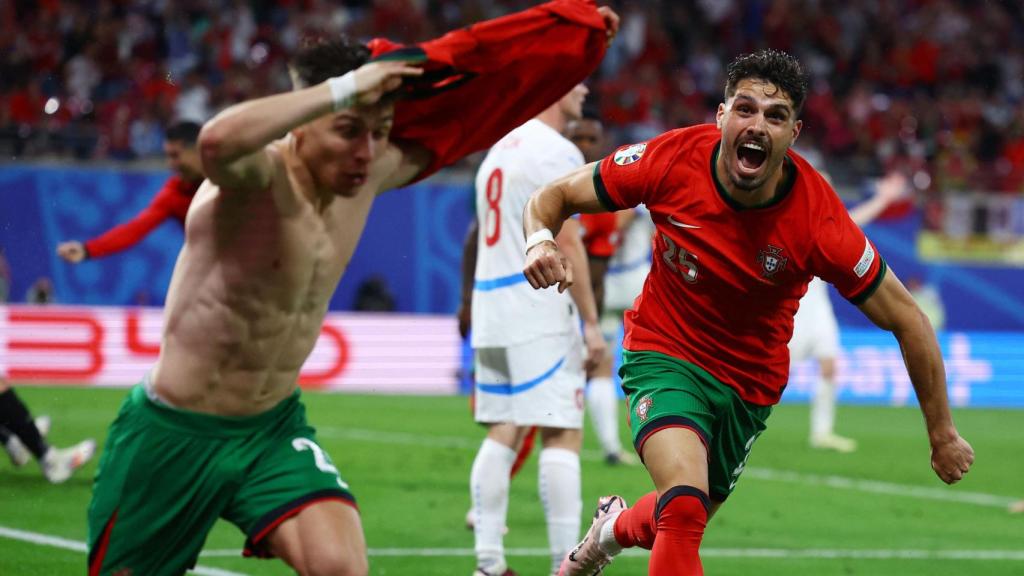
(815,330)
(628,267)
(506,309)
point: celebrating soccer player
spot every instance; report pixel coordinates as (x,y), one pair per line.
(743,224)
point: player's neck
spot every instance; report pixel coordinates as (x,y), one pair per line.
(553,117)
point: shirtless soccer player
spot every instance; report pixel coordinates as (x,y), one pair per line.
(743,224)
(217,430)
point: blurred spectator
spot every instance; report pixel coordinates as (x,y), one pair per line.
(41,292)
(939,82)
(374,295)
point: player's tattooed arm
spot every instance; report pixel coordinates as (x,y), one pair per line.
(892,308)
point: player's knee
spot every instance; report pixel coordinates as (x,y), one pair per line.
(683,508)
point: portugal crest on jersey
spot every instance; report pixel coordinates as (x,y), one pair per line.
(772,261)
(629,154)
(643,408)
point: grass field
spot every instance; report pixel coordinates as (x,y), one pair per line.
(877,512)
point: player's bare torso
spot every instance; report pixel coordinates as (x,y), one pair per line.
(251,288)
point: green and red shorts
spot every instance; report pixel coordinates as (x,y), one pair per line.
(166,475)
(666,392)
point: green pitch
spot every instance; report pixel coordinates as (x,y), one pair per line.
(877,512)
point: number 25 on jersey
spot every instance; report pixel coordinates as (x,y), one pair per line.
(680,260)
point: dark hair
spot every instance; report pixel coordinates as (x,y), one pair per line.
(773,66)
(185,132)
(591,113)
(320,58)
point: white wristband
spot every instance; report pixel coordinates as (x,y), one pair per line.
(538,237)
(343,90)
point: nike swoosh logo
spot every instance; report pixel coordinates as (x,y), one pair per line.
(675,222)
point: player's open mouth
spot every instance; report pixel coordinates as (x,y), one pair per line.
(751,155)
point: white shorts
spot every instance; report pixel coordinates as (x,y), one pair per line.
(537,383)
(622,288)
(815,333)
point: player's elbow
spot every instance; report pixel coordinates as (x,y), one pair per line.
(214,146)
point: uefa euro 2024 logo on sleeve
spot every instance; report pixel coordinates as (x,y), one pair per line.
(630,154)
(772,261)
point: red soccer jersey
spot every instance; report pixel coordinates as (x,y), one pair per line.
(600,234)
(726,280)
(172,201)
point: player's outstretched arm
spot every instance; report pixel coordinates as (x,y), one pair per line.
(892,308)
(887,190)
(231,144)
(546,211)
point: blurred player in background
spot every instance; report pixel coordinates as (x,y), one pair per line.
(530,370)
(217,429)
(816,331)
(24,438)
(172,201)
(601,240)
(743,225)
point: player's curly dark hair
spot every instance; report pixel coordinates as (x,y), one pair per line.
(320,58)
(774,66)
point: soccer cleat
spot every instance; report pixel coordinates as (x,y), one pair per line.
(587,558)
(834,442)
(16,449)
(59,463)
(622,458)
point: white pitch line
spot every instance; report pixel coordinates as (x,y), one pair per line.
(839,482)
(76,546)
(780,553)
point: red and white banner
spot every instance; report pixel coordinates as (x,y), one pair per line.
(101,346)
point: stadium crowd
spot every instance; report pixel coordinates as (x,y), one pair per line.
(933,87)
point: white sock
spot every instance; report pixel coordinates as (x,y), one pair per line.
(606,538)
(488,487)
(559,486)
(603,404)
(823,408)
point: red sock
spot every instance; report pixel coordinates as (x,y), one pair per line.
(524,452)
(682,516)
(635,525)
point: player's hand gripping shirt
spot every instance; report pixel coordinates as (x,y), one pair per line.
(506,310)
(726,280)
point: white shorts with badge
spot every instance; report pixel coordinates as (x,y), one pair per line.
(815,330)
(537,383)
